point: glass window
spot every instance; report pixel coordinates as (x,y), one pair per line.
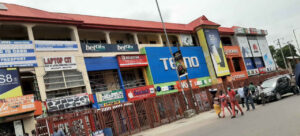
(104,80)
(133,78)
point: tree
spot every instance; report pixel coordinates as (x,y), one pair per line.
(286,52)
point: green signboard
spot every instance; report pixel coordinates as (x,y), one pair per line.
(164,88)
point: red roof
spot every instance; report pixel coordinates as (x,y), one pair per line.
(226,30)
(26,14)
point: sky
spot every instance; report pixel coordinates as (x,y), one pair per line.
(279,17)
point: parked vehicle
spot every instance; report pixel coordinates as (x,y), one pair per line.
(275,87)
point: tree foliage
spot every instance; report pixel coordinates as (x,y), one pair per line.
(276,53)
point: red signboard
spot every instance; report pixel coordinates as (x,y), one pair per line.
(184,84)
(239,75)
(140,93)
(16,105)
(262,70)
(232,51)
(132,61)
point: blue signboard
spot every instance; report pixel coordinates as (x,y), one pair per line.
(9,83)
(56,45)
(259,62)
(249,63)
(163,67)
(101,63)
(17,54)
(103,47)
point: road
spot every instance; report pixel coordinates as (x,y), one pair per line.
(278,118)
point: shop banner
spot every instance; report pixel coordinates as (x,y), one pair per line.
(251,69)
(132,61)
(162,66)
(245,48)
(17,54)
(140,93)
(253,31)
(10,83)
(195,83)
(254,47)
(103,47)
(165,88)
(262,70)
(232,51)
(186,40)
(216,52)
(266,54)
(55,45)
(59,63)
(179,62)
(106,98)
(16,105)
(239,30)
(259,62)
(241,75)
(67,102)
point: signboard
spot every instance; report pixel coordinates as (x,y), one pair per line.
(17,54)
(239,75)
(132,61)
(245,48)
(239,30)
(165,88)
(232,51)
(254,47)
(266,54)
(140,93)
(10,83)
(106,98)
(161,63)
(18,128)
(253,30)
(59,63)
(251,69)
(103,47)
(16,105)
(262,70)
(56,45)
(195,83)
(216,52)
(67,102)
(186,40)
(180,63)
(259,62)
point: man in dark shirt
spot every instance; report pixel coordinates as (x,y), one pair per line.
(248,97)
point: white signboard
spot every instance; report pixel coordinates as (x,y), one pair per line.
(266,54)
(60,63)
(254,47)
(56,45)
(186,40)
(18,128)
(244,45)
(17,54)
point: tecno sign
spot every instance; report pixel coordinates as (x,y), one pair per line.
(190,62)
(59,63)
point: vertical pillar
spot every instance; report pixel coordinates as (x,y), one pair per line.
(179,40)
(30,32)
(160,41)
(145,76)
(107,37)
(135,37)
(122,84)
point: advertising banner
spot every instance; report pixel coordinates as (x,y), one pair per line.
(239,75)
(140,93)
(67,102)
(59,63)
(195,83)
(180,64)
(16,105)
(132,61)
(186,40)
(232,51)
(55,45)
(245,48)
(266,54)
(165,88)
(161,63)
(10,83)
(103,47)
(254,47)
(106,98)
(259,62)
(17,54)
(216,52)
(251,69)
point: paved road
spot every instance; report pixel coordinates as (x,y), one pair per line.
(279,118)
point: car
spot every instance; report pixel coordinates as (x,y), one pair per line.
(274,88)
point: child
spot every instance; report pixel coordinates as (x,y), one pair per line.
(217,107)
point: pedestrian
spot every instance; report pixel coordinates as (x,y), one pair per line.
(252,88)
(261,94)
(234,102)
(248,97)
(217,107)
(223,101)
(242,95)
(58,132)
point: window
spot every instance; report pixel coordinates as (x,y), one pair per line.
(104,80)
(236,64)
(57,80)
(64,92)
(29,85)
(133,78)
(226,41)
(120,42)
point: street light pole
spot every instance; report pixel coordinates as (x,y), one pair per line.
(289,44)
(282,54)
(296,40)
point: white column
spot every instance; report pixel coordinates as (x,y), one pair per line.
(30,32)
(160,41)
(135,37)
(107,37)
(74,34)
(179,39)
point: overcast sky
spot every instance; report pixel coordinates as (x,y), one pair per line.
(279,17)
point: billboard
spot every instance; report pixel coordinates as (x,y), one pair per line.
(250,65)
(132,60)
(59,63)
(103,47)
(10,83)
(17,54)
(266,54)
(161,63)
(106,98)
(165,88)
(16,105)
(215,47)
(186,39)
(140,93)
(245,48)
(254,47)
(259,62)
(56,45)
(179,62)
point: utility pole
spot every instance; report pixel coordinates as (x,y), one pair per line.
(296,40)
(289,44)
(282,54)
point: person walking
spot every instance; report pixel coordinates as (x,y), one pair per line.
(242,95)
(248,97)
(261,94)
(223,100)
(234,102)
(217,107)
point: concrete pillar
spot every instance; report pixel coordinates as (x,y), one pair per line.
(108,41)
(29,125)
(30,32)
(160,41)
(179,39)
(135,37)
(74,34)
